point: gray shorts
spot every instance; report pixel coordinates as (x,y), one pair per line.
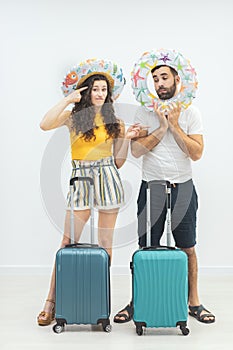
(184,205)
(108,189)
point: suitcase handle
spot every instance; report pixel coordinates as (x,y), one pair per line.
(160,247)
(81,178)
(167,186)
(80,245)
(91,197)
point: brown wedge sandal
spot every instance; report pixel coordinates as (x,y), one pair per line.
(45,318)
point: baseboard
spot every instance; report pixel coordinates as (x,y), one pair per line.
(46,270)
(25,269)
(115,270)
(203,270)
(216,270)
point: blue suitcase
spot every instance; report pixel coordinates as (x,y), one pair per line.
(82,279)
(160,281)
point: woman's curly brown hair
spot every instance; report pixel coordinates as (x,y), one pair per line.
(83,113)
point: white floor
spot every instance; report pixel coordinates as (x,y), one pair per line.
(21,299)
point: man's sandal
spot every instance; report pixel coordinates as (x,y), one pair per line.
(45,318)
(195,311)
(122,314)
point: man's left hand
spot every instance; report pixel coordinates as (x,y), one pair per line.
(173,114)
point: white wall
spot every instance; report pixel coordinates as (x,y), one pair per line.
(41,40)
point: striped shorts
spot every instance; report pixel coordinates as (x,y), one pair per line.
(108,189)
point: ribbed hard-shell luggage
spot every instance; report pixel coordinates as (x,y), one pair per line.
(160,281)
(82,278)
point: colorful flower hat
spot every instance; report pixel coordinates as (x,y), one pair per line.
(78,74)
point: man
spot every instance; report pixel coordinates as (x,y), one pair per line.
(172,140)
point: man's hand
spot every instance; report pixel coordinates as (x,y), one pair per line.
(173,114)
(162,117)
(169,117)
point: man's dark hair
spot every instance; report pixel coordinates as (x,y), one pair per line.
(173,71)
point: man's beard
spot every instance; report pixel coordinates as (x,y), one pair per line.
(170,92)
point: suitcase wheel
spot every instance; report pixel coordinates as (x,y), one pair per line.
(107,328)
(58,328)
(184,330)
(139,330)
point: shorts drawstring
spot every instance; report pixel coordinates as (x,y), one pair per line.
(108,189)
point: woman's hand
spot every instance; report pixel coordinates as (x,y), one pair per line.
(75,96)
(134,131)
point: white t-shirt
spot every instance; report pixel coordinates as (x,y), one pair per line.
(167,161)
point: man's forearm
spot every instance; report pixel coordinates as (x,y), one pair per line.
(191,145)
(144,144)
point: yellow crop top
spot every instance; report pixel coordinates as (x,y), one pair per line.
(95,149)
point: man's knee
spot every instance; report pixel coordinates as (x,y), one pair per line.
(189,251)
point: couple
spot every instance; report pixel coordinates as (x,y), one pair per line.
(167,139)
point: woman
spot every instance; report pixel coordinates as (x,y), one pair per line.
(99,146)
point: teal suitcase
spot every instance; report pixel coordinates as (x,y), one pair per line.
(82,280)
(160,282)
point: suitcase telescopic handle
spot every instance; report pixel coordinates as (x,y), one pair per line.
(82,245)
(167,186)
(91,199)
(81,178)
(160,247)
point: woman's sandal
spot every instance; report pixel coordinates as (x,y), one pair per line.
(195,311)
(122,314)
(45,318)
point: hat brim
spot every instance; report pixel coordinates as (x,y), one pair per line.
(109,78)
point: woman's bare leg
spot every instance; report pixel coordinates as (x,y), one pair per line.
(106,224)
